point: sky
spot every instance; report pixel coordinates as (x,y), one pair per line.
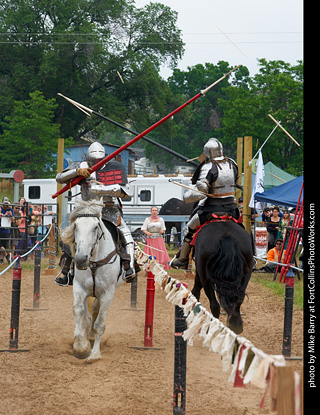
(237,31)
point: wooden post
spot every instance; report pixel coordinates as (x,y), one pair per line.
(285,399)
(239,163)
(247,183)
(52,252)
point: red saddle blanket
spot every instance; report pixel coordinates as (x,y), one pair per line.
(216,218)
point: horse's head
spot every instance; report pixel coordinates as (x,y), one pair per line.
(87,232)
(84,231)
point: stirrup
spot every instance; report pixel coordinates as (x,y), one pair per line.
(179,263)
(66,280)
(129,275)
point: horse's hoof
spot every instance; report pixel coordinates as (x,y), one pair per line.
(92,359)
(81,354)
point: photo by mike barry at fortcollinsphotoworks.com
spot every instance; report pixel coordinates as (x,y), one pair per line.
(310,298)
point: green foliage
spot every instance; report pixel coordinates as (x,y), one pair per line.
(77,48)
(80,47)
(277,90)
(29,141)
(192,127)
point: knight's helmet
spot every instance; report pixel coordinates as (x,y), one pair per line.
(95,153)
(213,149)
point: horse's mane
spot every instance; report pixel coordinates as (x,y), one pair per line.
(82,207)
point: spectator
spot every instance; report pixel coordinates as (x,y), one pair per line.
(35,220)
(5,228)
(43,229)
(265,214)
(154,228)
(273,225)
(22,245)
(284,223)
(253,212)
(15,231)
(273,256)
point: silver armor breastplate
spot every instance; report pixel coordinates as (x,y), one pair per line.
(223,186)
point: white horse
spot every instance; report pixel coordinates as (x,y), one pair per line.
(97,274)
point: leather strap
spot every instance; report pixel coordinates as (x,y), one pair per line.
(96,264)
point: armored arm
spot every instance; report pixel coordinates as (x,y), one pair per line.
(68,174)
(192,196)
(114,190)
(202,184)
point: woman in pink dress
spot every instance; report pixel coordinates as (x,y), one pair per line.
(154,228)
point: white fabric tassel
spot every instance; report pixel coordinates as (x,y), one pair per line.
(205,326)
(172,292)
(252,369)
(188,306)
(160,276)
(179,296)
(234,366)
(214,329)
(217,342)
(169,285)
(194,328)
(259,376)
(227,349)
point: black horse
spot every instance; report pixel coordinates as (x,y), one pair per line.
(175,206)
(224,262)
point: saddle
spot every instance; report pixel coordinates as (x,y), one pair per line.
(222,217)
(216,217)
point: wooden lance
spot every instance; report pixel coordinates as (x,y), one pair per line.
(101,163)
(89,111)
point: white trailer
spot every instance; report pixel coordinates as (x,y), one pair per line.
(153,191)
(40,191)
(148,191)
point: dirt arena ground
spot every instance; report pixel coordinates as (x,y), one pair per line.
(48,380)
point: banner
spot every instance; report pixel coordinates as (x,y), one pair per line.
(261,242)
(259,184)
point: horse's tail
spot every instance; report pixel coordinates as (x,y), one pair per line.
(225,271)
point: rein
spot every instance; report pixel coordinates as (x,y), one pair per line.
(93,265)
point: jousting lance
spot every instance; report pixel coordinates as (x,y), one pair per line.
(101,163)
(89,111)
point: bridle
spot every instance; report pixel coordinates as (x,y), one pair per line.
(93,265)
(93,215)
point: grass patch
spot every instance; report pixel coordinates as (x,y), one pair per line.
(266,280)
(279,288)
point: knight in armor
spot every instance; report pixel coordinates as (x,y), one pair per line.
(216,176)
(111,183)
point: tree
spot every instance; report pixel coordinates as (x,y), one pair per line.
(78,48)
(192,127)
(29,140)
(277,90)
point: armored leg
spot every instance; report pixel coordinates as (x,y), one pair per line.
(67,267)
(182,258)
(128,265)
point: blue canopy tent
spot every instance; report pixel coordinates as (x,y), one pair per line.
(286,194)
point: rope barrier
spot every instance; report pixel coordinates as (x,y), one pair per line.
(18,257)
(248,363)
(278,263)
